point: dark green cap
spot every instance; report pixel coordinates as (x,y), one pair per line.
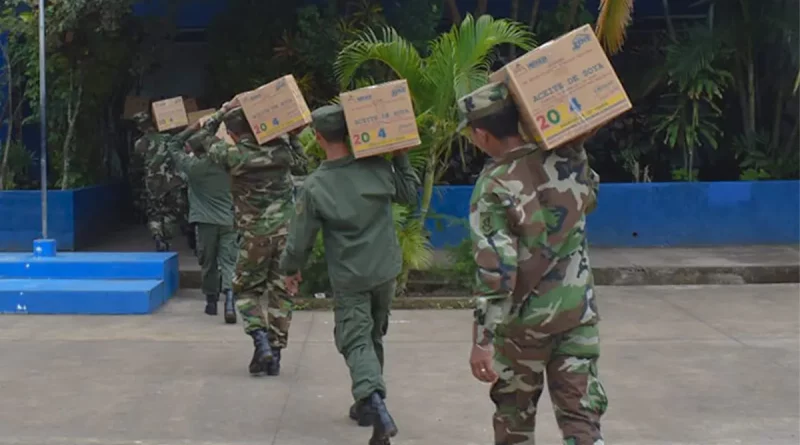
(142,120)
(236,122)
(329,118)
(195,141)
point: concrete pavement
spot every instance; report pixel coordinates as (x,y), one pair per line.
(681,365)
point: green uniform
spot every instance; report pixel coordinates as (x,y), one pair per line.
(165,200)
(350,200)
(211,209)
(536,301)
(263,196)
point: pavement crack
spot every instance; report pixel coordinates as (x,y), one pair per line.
(691,315)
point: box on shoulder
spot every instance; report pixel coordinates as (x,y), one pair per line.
(135,105)
(170,114)
(190,103)
(564,89)
(275,108)
(194,116)
(380,118)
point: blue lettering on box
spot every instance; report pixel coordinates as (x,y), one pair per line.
(364,97)
(579,40)
(398,90)
(536,62)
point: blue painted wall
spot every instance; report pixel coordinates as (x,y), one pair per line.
(75,218)
(663,214)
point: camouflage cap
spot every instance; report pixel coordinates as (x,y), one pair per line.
(484,101)
(329,118)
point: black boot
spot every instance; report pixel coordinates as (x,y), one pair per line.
(383,426)
(211,304)
(360,412)
(230,307)
(262,353)
(161,246)
(274,366)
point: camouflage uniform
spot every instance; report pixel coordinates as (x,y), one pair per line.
(165,198)
(536,301)
(263,196)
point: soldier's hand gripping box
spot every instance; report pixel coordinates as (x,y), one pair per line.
(222,132)
(275,108)
(170,114)
(380,118)
(564,88)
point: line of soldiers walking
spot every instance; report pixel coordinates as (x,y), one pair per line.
(536,318)
(255,234)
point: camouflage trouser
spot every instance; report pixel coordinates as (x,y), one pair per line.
(257,282)
(164,214)
(570,361)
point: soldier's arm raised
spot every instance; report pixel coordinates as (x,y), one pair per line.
(174,148)
(211,125)
(406,181)
(495,248)
(303,229)
(299,159)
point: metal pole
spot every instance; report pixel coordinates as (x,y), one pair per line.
(43,117)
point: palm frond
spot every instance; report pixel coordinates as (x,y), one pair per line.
(390,49)
(612,23)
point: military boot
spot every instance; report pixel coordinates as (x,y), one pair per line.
(211,304)
(360,412)
(161,246)
(383,426)
(274,366)
(262,354)
(230,307)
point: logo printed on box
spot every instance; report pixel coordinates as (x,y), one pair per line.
(580,40)
(537,62)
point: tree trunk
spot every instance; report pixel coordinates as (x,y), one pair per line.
(455,15)
(512,50)
(481,9)
(9,125)
(535,13)
(72,116)
(573,12)
(668,18)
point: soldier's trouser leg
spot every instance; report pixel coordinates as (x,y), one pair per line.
(257,281)
(226,254)
(279,303)
(361,321)
(208,238)
(160,220)
(570,361)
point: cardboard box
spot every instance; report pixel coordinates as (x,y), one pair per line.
(190,104)
(380,118)
(134,105)
(275,108)
(564,88)
(222,132)
(170,114)
(195,116)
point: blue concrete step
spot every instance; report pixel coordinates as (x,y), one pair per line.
(73,296)
(94,265)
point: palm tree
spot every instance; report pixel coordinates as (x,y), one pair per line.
(612,23)
(458,63)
